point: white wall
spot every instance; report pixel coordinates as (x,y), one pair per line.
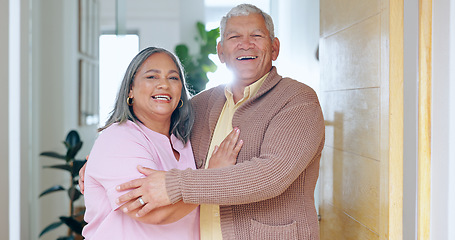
(55,106)
(443,122)
(4,158)
(451,159)
(158,23)
(297,27)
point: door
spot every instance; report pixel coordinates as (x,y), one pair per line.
(361,58)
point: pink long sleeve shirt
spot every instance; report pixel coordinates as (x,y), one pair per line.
(113,160)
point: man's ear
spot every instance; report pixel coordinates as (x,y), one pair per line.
(275,49)
(219,50)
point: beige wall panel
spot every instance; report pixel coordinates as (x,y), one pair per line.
(353,57)
(337,225)
(326,177)
(338,15)
(354,116)
(351,184)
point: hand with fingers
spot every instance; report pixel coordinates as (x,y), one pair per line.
(146,193)
(150,193)
(226,154)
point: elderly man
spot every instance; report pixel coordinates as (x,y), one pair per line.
(269,193)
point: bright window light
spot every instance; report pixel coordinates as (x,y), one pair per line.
(116,52)
(222,75)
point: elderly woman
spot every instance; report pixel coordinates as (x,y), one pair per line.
(149,127)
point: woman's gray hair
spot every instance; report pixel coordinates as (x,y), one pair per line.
(182,118)
(245,10)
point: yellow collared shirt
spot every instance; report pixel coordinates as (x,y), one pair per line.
(210,214)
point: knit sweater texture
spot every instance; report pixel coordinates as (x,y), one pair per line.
(269,193)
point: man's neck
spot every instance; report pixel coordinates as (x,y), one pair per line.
(237,92)
(238,88)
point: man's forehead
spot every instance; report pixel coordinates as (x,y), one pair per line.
(245,17)
(239,23)
(236,30)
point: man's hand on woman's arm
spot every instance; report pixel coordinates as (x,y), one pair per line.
(152,189)
(164,214)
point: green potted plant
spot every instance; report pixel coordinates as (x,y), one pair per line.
(73,144)
(197,66)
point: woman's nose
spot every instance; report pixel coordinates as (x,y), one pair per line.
(163,83)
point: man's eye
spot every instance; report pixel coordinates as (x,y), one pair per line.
(151,77)
(231,37)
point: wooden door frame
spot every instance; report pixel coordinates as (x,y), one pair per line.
(391,224)
(424,116)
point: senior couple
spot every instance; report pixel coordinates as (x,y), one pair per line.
(235,162)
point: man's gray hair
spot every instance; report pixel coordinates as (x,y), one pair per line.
(245,10)
(182,118)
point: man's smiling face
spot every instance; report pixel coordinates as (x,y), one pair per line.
(247,49)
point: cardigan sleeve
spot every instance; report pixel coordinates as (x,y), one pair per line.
(293,139)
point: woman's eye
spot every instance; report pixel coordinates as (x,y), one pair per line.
(232,37)
(151,77)
(174,78)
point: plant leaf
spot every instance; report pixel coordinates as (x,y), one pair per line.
(66,238)
(72,139)
(73,224)
(182,53)
(74,193)
(213,35)
(52,189)
(77,165)
(202,32)
(50,227)
(72,151)
(61,166)
(53,154)
(209,68)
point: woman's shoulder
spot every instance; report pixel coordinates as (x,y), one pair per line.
(123,137)
(123,130)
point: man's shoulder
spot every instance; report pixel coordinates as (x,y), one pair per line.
(279,84)
(294,88)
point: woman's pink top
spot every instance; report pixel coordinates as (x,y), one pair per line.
(113,160)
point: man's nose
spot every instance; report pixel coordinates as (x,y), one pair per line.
(246,43)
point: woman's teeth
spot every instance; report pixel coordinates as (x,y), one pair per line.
(162,97)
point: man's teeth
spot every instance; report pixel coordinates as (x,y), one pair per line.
(162,97)
(246,57)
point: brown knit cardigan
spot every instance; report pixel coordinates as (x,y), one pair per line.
(269,193)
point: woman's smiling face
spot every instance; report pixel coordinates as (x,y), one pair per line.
(156,89)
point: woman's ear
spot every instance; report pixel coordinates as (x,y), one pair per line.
(130,94)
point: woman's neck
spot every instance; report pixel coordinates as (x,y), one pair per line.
(162,127)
